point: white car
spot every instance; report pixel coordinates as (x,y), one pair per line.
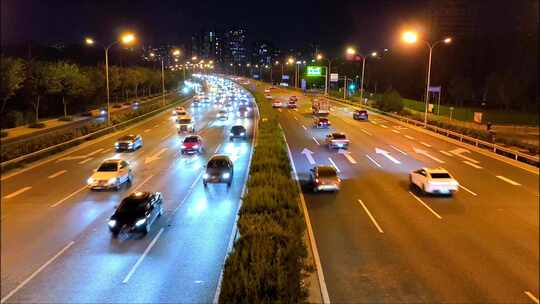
(436,180)
(179,111)
(111,174)
(267,90)
(268,96)
(277,104)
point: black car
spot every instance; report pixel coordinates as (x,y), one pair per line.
(136,213)
(129,142)
(360,115)
(219,169)
(238,131)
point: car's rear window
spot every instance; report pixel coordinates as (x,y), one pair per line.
(327,172)
(217,163)
(362,112)
(323,120)
(184,121)
(238,129)
(440,175)
(338,136)
(191,139)
(132,205)
(108,167)
(127,137)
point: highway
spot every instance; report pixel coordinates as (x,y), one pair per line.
(56,247)
(382,241)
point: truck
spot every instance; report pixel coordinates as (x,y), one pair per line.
(320,106)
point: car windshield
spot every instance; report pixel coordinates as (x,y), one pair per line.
(361,112)
(191,139)
(127,137)
(108,167)
(338,136)
(222,112)
(323,120)
(132,205)
(237,129)
(327,172)
(217,163)
(440,175)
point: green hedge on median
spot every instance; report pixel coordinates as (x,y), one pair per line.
(269,260)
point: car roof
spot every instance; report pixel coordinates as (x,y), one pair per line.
(112,160)
(192,136)
(338,133)
(238,126)
(139,195)
(325,168)
(128,136)
(219,157)
(436,170)
(184,117)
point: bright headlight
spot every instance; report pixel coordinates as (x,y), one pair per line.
(140,222)
(90,180)
(116,144)
(112,180)
(226,175)
(205,176)
(112,223)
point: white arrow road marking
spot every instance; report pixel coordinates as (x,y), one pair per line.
(348,156)
(472,164)
(85,161)
(95,152)
(459,152)
(511,182)
(398,150)
(425,205)
(308,153)
(56,174)
(315,140)
(373,161)
(425,144)
(409,137)
(446,153)
(154,157)
(35,273)
(425,153)
(17,192)
(304,127)
(371,216)
(532,297)
(462,187)
(141,258)
(387,155)
(334,164)
(365,132)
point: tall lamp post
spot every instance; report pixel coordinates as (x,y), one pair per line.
(175,53)
(328,71)
(127,39)
(411,38)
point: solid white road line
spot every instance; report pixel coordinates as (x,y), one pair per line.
(141,258)
(196,180)
(532,297)
(462,187)
(56,174)
(35,273)
(371,159)
(143,182)
(409,137)
(106,151)
(85,161)
(95,152)
(67,197)
(365,132)
(371,216)
(446,153)
(425,144)
(398,150)
(334,164)
(17,192)
(396,131)
(147,130)
(304,127)
(217,148)
(315,140)
(425,205)
(511,182)
(472,164)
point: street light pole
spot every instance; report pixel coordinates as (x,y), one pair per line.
(427,85)
(162,82)
(362,81)
(107,84)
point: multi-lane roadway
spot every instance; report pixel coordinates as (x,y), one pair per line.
(56,246)
(380,240)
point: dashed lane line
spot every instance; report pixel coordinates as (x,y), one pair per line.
(334,164)
(425,205)
(95,152)
(532,297)
(316,141)
(85,161)
(511,182)
(398,150)
(304,127)
(425,144)
(446,153)
(365,131)
(409,137)
(13,194)
(372,160)
(68,197)
(56,174)
(141,258)
(472,164)
(371,217)
(396,131)
(462,187)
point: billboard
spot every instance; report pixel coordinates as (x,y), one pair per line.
(285,77)
(314,71)
(334,77)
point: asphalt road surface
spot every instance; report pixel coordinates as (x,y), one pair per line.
(382,241)
(56,246)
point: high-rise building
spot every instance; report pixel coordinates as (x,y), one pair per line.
(263,52)
(235,50)
(207,44)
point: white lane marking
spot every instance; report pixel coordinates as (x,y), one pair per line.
(279,110)
(334,164)
(217,148)
(373,122)
(95,152)
(71,158)
(164,137)
(371,159)
(396,131)
(511,182)
(472,164)
(56,174)
(308,154)
(425,153)
(35,273)
(383,126)
(311,235)
(459,152)
(446,153)
(141,258)
(155,126)
(409,137)
(398,150)
(347,155)
(371,216)
(143,182)
(154,157)
(365,132)
(67,197)
(532,297)
(304,127)
(425,205)
(196,180)
(85,161)
(315,140)
(147,130)
(425,144)
(106,151)
(13,194)
(462,187)
(387,155)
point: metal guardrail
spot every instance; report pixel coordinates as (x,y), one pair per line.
(84,137)
(517,155)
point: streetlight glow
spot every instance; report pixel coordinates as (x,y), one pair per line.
(447,40)
(409,37)
(127,38)
(373,54)
(319,56)
(176,52)
(89,41)
(351,51)
(290,60)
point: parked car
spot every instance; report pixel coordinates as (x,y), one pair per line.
(325,178)
(434,181)
(136,213)
(219,169)
(129,142)
(111,174)
(360,115)
(192,144)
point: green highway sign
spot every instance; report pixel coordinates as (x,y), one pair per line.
(314,71)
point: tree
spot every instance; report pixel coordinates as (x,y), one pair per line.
(67,81)
(390,101)
(460,89)
(38,82)
(12,75)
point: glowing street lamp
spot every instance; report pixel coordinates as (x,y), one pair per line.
(351,51)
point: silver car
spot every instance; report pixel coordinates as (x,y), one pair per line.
(129,142)
(325,178)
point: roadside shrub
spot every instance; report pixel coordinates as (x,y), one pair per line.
(36,125)
(3,134)
(390,101)
(86,114)
(13,119)
(66,118)
(117,106)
